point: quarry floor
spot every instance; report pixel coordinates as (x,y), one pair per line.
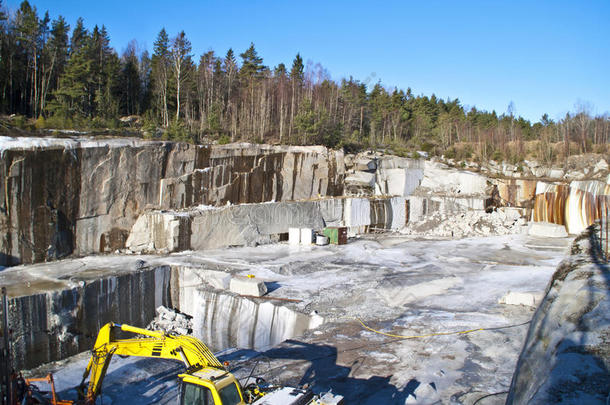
(394,284)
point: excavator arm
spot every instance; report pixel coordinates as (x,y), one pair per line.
(187,349)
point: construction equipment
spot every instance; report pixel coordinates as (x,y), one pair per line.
(29,392)
(205,381)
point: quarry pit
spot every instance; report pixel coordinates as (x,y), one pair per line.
(394,284)
(428,302)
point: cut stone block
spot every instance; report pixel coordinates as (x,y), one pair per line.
(294,236)
(556,173)
(362,179)
(527,299)
(307,236)
(547,230)
(248,286)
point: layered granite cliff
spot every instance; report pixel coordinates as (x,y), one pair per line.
(82,196)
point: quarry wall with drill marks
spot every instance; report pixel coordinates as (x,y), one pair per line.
(58,316)
(65,197)
(69,196)
(52,320)
(517,192)
(225,320)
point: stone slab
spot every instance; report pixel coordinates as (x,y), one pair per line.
(547,230)
(527,299)
(307,236)
(248,286)
(294,236)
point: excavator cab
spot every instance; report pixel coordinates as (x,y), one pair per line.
(210,387)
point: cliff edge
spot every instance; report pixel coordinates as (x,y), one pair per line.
(566,355)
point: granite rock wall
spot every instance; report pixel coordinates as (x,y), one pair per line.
(51,321)
(82,196)
(566,355)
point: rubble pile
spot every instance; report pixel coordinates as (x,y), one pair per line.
(171,321)
(469,223)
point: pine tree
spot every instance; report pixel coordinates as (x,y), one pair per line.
(105,69)
(252,65)
(296,79)
(54,57)
(72,96)
(160,65)
(297,74)
(107,97)
(130,84)
(79,36)
(145,69)
(27,27)
(230,68)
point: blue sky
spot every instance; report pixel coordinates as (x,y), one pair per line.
(544,56)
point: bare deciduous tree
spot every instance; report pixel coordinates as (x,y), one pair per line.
(180,53)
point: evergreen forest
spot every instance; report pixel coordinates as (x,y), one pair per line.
(53,75)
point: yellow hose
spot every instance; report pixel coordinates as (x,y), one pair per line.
(418,336)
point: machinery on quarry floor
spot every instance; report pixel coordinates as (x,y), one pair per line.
(206,381)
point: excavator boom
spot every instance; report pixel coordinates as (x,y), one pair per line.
(187,349)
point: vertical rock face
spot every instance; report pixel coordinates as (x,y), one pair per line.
(246,173)
(53,325)
(64,196)
(576,206)
(118,183)
(40,204)
(566,356)
(550,202)
(82,197)
(517,192)
(585,204)
(224,320)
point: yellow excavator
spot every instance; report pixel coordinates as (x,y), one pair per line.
(205,381)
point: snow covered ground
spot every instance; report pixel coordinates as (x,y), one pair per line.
(394,284)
